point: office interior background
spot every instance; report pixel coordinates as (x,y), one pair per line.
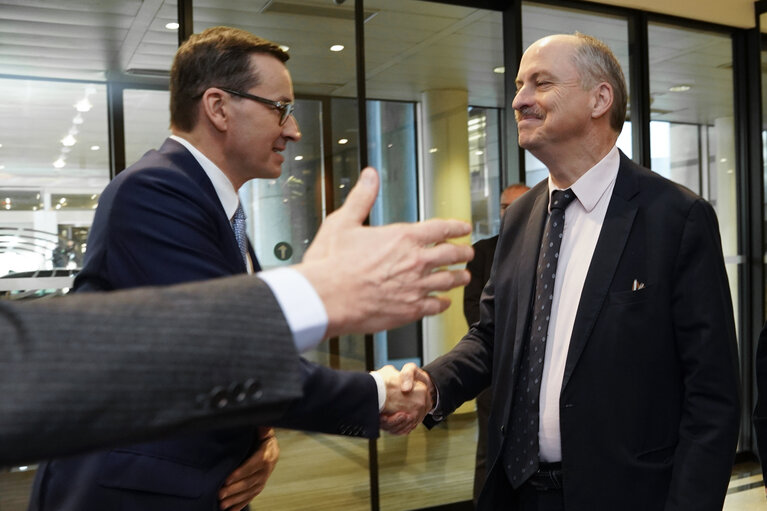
(421,90)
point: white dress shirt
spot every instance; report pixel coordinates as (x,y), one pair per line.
(583,223)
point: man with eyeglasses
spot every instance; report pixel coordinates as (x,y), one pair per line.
(174,217)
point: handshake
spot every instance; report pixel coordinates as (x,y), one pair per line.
(410,395)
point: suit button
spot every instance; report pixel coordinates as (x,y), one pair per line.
(503,430)
(237,392)
(253,389)
(219,397)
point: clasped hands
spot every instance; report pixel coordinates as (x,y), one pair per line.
(410,395)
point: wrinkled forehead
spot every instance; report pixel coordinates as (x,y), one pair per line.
(552,54)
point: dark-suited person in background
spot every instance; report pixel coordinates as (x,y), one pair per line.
(173,217)
(479,268)
(91,370)
(611,349)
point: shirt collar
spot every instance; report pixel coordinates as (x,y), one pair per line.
(591,186)
(224,188)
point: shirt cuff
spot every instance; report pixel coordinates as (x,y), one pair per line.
(301,305)
(381,390)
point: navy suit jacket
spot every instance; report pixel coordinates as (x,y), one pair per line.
(649,409)
(161,222)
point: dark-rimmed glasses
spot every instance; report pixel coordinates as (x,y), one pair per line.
(286,109)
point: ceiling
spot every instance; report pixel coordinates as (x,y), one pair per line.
(410,46)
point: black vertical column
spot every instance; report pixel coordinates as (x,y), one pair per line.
(639,88)
(513,156)
(185,20)
(362,150)
(746,50)
(116,128)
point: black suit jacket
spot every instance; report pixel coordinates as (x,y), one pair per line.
(479,267)
(649,409)
(161,222)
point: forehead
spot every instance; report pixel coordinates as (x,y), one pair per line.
(551,56)
(273,75)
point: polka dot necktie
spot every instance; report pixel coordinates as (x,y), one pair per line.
(521,450)
(240,232)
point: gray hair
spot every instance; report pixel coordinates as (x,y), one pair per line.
(597,63)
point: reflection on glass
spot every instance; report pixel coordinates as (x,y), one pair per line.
(285,213)
(147,121)
(692,134)
(53,166)
(484,167)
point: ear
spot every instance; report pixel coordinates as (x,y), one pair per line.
(602,100)
(214,106)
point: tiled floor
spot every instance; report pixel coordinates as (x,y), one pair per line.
(746,491)
(416,471)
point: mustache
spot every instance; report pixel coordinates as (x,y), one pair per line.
(527,111)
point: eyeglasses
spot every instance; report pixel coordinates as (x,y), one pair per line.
(286,109)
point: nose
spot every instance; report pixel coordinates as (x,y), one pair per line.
(290,129)
(521,98)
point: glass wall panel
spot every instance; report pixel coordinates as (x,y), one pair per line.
(539,21)
(285,213)
(485,168)
(441,58)
(147,121)
(53,165)
(692,134)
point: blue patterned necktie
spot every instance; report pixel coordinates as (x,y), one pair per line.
(522,450)
(240,232)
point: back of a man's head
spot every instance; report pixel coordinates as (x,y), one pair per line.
(216,57)
(510,194)
(597,63)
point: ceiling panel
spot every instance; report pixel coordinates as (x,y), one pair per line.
(411,46)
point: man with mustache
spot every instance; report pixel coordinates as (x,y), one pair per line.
(606,330)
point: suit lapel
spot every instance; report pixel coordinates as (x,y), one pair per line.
(188,164)
(612,240)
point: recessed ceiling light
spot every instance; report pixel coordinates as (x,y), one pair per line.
(500,70)
(343,141)
(78,119)
(337,47)
(172,25)
(69,141)
(59,163)
(284,47)
(479,153)
(298,158)
(2,167)
(682,87)
(95,147)
(1,145)
(433,150)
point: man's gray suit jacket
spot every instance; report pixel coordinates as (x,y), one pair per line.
(92,370)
